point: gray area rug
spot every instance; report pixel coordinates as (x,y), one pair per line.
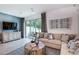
(52,51)
(49,51)
(19,51)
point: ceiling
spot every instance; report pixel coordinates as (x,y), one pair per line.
(25,10)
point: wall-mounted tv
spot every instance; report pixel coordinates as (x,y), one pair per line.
(9,26)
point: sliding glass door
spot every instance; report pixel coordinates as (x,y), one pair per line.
(32,26)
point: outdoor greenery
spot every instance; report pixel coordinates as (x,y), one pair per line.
(34,23)
(34,26)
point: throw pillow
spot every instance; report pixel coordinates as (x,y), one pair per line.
(50,36)
(71,37)
(72,44)
(65,38)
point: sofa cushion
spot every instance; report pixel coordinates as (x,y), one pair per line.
(57,36)
(57,42)
(65,38)
(52,45)
(46,35)
(43,39)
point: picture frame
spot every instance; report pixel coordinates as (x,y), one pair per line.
(60,23)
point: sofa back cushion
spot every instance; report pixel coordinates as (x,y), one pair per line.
(41,35)
(65,38)
(57,36)
(46,36)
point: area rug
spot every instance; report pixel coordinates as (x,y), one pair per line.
(49,51)
(19,51)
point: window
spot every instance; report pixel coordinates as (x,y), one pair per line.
(65,23)
(54,24)
(60,23)
(33,26)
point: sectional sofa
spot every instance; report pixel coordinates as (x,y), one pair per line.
(53,40)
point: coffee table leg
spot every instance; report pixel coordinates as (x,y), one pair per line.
(44,51)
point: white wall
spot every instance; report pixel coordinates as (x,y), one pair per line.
(32,17)
(63,13)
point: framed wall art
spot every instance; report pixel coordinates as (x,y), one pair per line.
(60,23)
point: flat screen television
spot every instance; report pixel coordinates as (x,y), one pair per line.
(9,26)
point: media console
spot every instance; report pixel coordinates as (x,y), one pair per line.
(9,36)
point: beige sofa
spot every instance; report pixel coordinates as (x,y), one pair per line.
(56,40)
(52,43)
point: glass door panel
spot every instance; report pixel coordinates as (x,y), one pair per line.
(33,26)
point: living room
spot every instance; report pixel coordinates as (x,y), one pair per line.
(56,32)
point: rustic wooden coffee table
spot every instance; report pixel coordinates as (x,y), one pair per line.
(32,49)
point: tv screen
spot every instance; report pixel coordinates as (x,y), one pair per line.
(9,26)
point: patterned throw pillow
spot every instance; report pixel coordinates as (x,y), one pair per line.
(65,38)
(71,37)
(72,44)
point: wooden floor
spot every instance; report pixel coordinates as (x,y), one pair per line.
(11,46)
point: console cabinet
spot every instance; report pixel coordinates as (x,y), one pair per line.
(10,36)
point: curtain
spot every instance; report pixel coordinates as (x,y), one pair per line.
(43,21)
(22,27)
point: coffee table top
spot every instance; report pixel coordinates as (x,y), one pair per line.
(40,45)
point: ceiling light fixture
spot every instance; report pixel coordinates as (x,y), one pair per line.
(21,12)
(32,9)
(74,5)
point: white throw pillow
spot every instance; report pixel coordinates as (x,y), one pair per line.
(50,36)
